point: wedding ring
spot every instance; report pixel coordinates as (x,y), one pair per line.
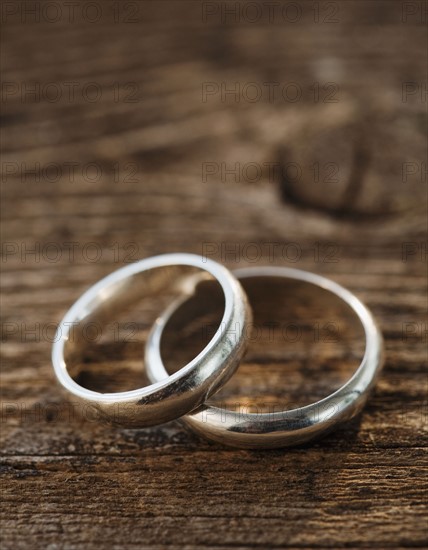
(188,388)
(281,428)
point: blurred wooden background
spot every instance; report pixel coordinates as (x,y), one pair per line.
(136,128)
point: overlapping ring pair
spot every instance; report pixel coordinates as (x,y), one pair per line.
(185,393)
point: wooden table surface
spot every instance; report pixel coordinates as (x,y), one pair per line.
(292,135)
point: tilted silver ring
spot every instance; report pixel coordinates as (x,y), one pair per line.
(173,396)
(288,427)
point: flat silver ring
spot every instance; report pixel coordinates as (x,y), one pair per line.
(173,396)
(288,427)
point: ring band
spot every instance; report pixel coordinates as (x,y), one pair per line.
(186,389)
(289,427)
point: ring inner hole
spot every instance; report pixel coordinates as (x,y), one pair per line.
(304,343)
(105,352)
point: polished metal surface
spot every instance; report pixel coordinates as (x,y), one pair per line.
(186,389)
(286,427)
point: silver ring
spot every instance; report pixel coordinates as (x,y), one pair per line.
(288,427)
(188,388)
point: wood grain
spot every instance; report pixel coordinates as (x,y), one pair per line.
(145,168)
